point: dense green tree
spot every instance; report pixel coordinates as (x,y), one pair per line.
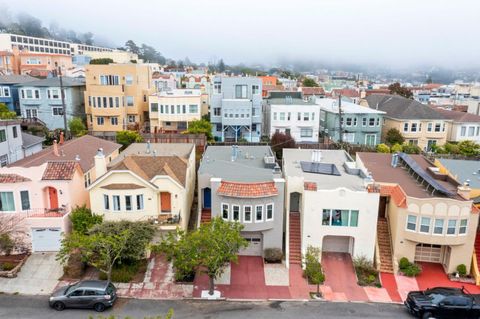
(279,141)
(221,67)
(201,127)
(383,148)
(411,148)
(397,89)
(307,82)
(208,250)
(82,219)
(77,127)
(132,47)
(128,137)
(394,136)
(101,61)
(5,113)
(468,148)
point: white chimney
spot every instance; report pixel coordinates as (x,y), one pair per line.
(100,163)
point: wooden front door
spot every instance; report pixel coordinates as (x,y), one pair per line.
(53,196)
(166,202)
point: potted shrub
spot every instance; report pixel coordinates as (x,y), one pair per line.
(408,268)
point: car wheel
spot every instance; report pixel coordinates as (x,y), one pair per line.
(99,307)
(59,306)
(427,315)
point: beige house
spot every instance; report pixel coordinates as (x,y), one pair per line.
(423,215)
(172,110)
(419,124)
(116,97)
(153,182)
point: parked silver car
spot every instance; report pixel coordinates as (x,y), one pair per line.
(94,294)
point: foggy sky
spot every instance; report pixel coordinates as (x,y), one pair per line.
(395,34)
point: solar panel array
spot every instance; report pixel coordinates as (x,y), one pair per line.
(410,162)
(320,168)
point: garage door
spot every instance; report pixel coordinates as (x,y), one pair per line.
(46,239)
(340,244)
(428,253)
(255,245)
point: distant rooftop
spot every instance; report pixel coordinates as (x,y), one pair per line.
(458,116)
(398,107)
(30,140)
(463,170)
(248,167)
(379,165)
(331,105)
(293,159)
(155,149)
(178,93)
(15,79)
(55,82)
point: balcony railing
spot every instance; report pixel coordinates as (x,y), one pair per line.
(166,219)
(48,212)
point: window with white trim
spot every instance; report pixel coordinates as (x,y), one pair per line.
(438,228)
(7,203)
(452,225)
(140,202)
(463,226)
(405,127)
(269,209)
(128,202)
(106,202)
(412,222)
(258,213)
(425,224)
(235,212)
(128,79)
(225,214)
(247,214)
(57,111)
(116,202)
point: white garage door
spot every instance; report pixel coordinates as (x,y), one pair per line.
(255,245)
(428,253)
(339,244)
(46,239)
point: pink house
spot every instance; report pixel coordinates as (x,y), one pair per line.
(40,191)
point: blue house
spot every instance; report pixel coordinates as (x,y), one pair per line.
(8,90)
(41,100)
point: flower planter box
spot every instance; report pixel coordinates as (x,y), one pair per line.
(467,280)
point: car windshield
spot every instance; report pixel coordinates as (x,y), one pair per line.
(110,289)
(436,298)
(72,287)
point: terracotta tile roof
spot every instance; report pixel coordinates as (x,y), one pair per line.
(147,167)
(313,91)
(122,186)
(377,91)
(59,170)
(13,178)
(475,209)
(310,186)
(396,193)
(247,190)
(86,147)
(346,92)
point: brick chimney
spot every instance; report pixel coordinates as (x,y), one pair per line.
(55,148)
(62,138)
(100,163)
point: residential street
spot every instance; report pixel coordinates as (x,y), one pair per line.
(26,307)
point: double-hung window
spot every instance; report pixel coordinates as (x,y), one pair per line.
(128,80)
(425,225)
(116,202)
(247,214)
(235,212)
(240,91)
(129,100)
(463,226)
(269,209)
(128,202)
(25,200)
(259,213)
(412,222)
(140,202)
(7,203)
(225,214)
(192,109)
(405,127)
(452,226)
(364,121)
(154,107)
(438,228)
(106,202)
(255,89)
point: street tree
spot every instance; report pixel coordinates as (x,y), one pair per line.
(398,89)
(128,137)
(132,47)
(207,250)
(279,141)
(202,126)
(307,82)
(76,127)
(221,66)
(394,136)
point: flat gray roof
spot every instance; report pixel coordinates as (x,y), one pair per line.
(161,149)
(293,157)
(248,167)
(463,170)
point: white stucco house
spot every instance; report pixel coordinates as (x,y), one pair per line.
(327,193)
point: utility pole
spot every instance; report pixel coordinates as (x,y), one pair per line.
(64,107)
(340,117)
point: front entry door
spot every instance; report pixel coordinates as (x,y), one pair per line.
(207,198)
(166,202)
(52,195)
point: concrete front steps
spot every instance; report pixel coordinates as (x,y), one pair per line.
(295,250)
(385,247)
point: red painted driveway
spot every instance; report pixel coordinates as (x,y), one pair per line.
(390,284)
(247,281)
(433,275)
(341,278)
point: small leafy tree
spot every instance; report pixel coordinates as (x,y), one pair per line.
(128,137)
(313,269)
(202,126)
(77,127)
(462,270)
(101,61)
(5,113)
(394,136)
(383,148)
(279,141)
(468,148)
(397,89)
(308,82)
(411,148)
(451,148)
(82,219)
(396,148)
(206,250)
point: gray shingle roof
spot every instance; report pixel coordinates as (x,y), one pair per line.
(402,108)
(29,140)
(15,79)
(55,82)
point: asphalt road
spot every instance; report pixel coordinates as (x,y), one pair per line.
(35,307)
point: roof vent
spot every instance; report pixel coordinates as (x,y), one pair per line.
(316,156)
(269,162)
(234,152)
(77,158)
(394,161)
(148,147)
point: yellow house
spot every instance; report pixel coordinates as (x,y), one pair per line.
(462,171)
(423,215)
(419,124)
(116,97)
(172,110)
(147,182)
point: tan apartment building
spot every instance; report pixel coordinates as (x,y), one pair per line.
(423,215)
(172,110)
(116,98)
(419,124)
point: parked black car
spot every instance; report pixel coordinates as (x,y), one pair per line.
(442,303)
(94,294)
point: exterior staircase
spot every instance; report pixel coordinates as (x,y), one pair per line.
(477,247)
(206,216)
(295,241)
(385,246)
